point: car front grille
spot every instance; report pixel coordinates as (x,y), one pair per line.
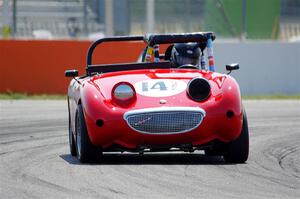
(165,120)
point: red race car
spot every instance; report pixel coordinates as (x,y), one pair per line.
(163,102)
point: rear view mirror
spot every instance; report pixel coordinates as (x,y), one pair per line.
(71,73)
(231,67)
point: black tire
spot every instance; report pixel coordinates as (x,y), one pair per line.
(238,150)
(72,143)
(86,151)
(213,152)
(71,134)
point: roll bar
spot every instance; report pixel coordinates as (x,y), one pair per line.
(179,38)
(109,39)
(152,40)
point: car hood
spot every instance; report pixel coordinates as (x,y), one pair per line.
(154,86)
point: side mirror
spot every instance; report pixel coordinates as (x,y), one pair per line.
(71,73)
(231,67)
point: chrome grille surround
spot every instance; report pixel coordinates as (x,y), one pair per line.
(165,120)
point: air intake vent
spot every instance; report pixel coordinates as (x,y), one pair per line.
(165,120)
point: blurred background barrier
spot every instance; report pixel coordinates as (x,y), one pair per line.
(37,67)
(41,38)
(265,67)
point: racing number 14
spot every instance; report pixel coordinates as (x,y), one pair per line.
(160,88)
(158,85)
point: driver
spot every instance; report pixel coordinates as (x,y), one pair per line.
(185,54)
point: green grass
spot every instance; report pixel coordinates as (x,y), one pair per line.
(16,96)
(272,97)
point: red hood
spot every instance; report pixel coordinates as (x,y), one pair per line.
(161,84)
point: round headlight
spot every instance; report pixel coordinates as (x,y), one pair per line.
(123,94)
(198,89)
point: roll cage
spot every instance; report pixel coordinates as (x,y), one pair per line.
(204,39)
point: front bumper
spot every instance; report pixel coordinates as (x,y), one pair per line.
(213,124)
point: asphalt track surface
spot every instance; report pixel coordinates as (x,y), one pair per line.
(35,160)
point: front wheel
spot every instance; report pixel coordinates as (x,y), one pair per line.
(238,149)
(71,140)
(86,151)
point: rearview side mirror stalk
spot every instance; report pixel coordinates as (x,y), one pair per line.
(72,73)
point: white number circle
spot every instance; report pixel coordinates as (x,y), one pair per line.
(160,87)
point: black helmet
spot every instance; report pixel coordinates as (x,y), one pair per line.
(185,53)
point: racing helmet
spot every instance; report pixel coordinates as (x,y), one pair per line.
(185,53)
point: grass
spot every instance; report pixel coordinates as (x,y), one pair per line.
(272,97)
(16,96)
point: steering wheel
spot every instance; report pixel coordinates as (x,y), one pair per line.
(188,66)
